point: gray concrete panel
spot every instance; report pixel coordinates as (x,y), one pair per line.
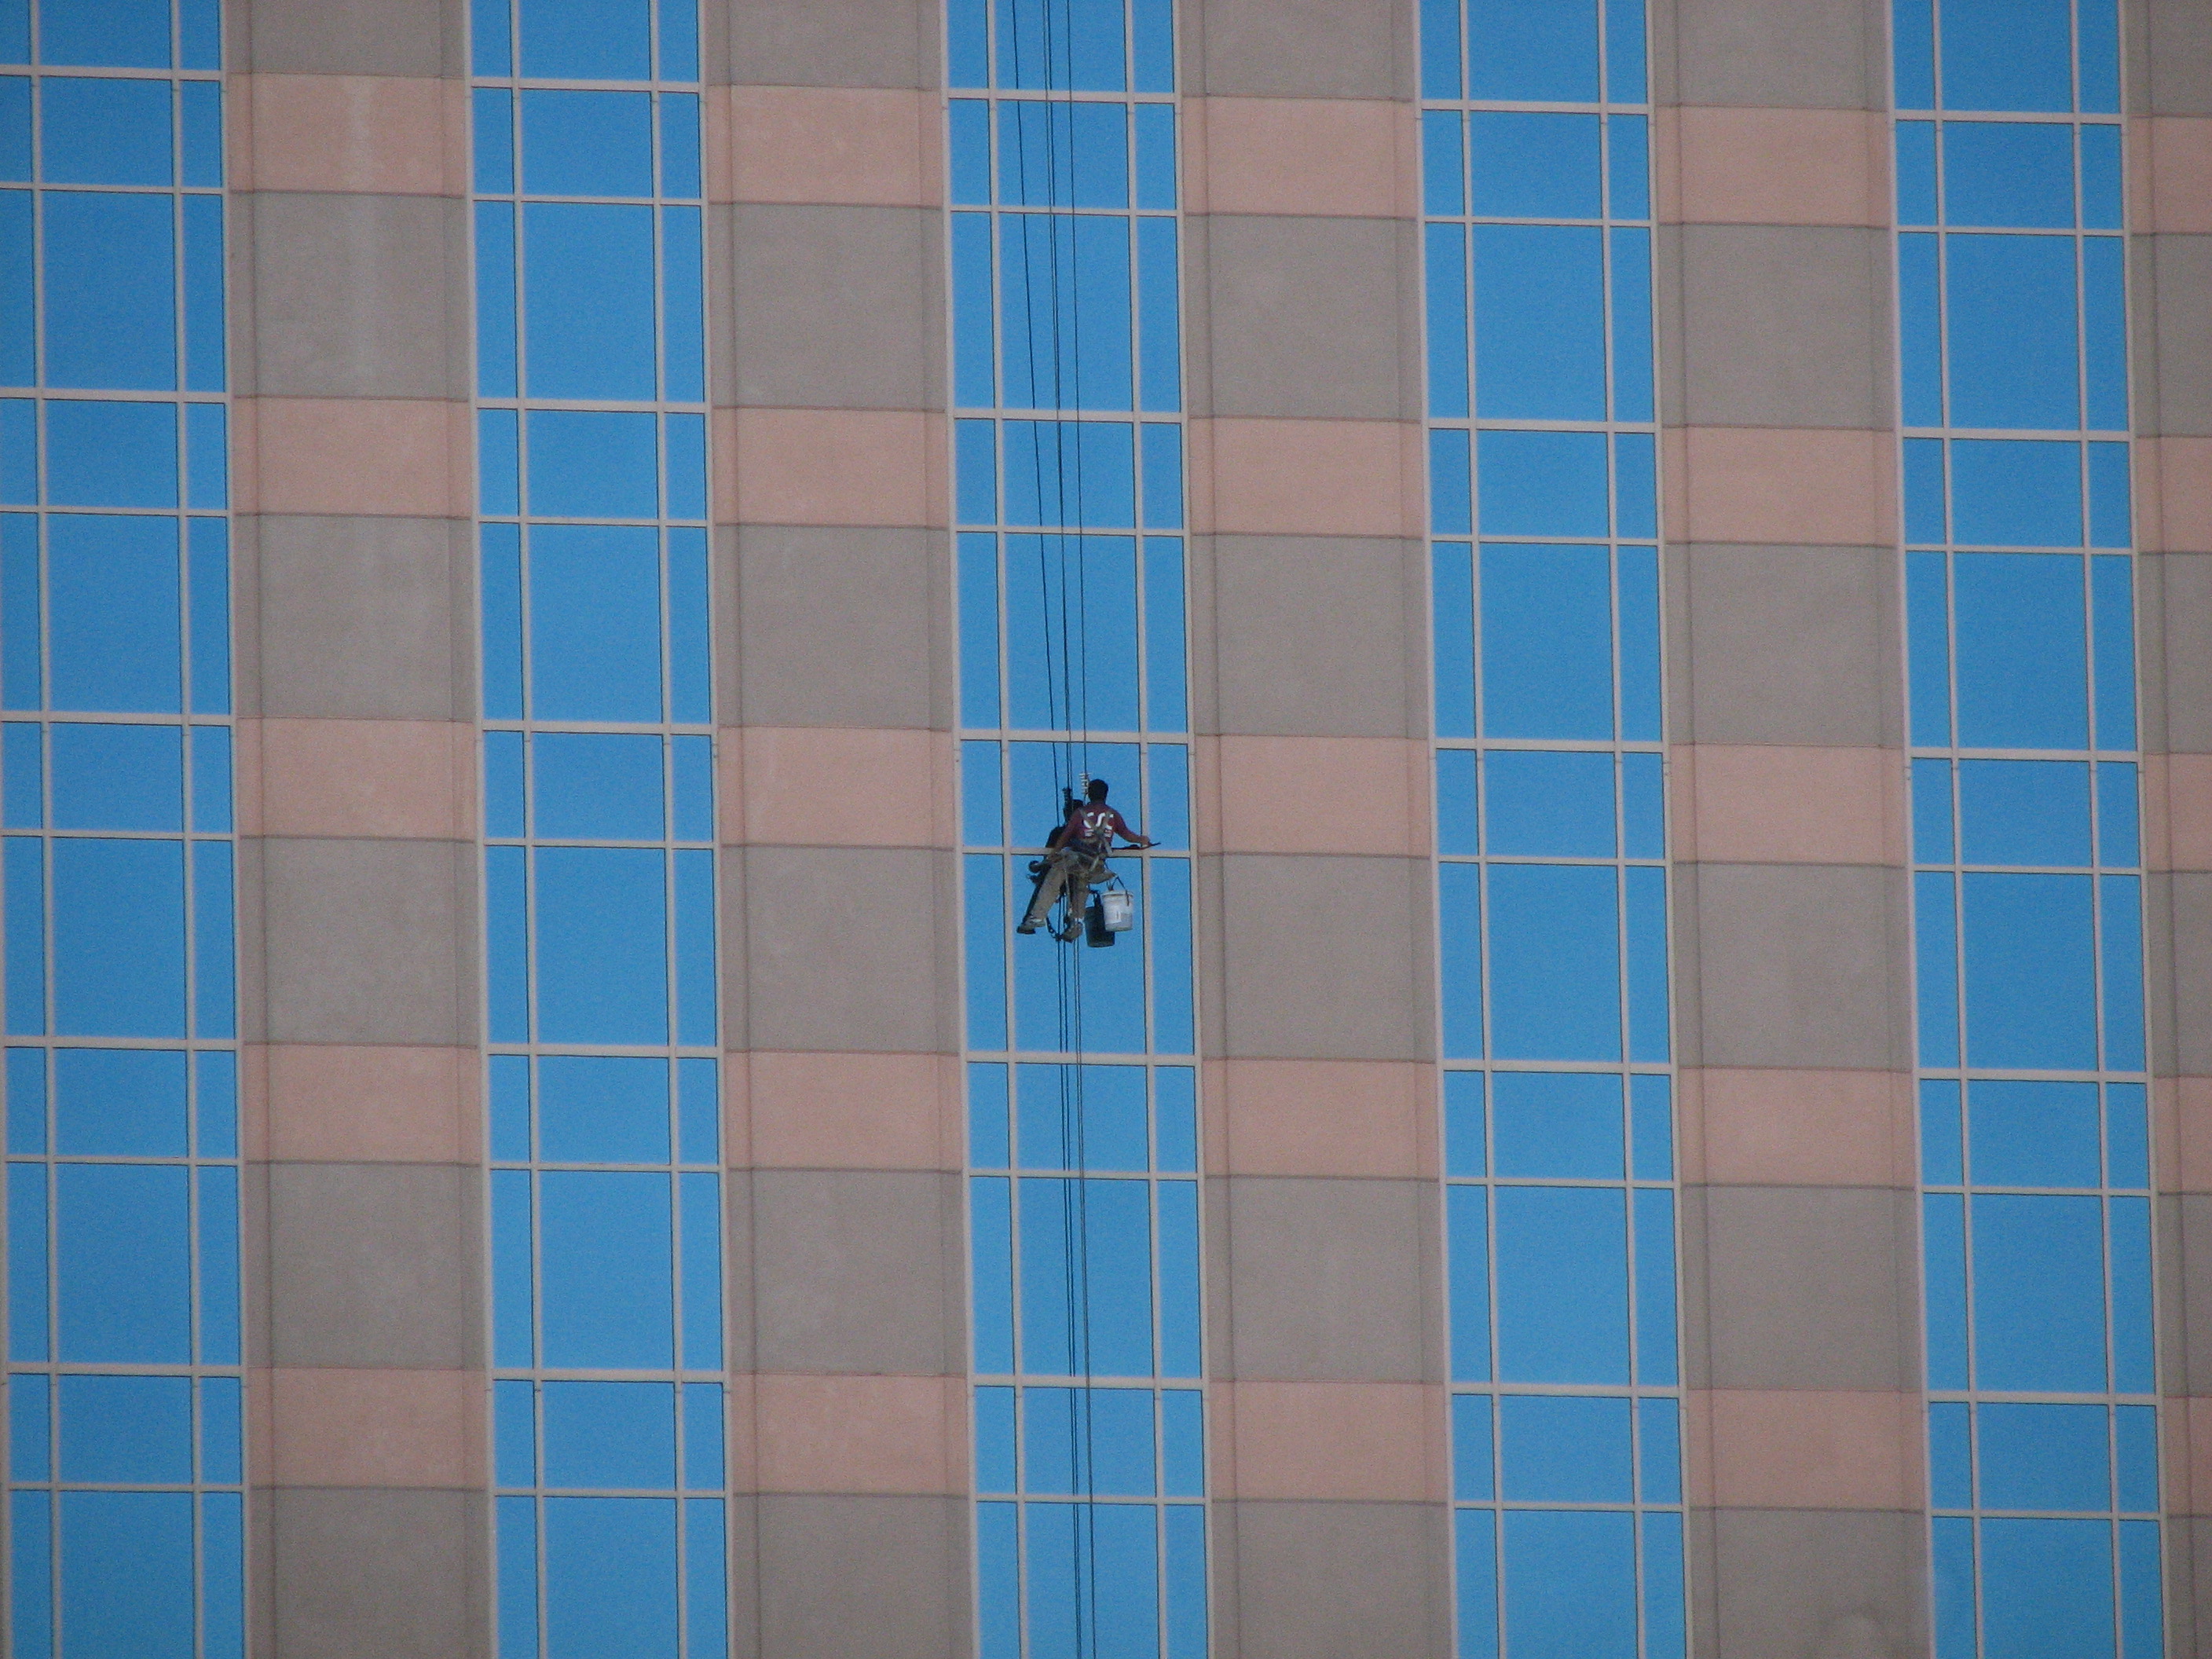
(1774,54)
(376,1575)
(843,948)
(1792,965)
(2181,907)
(1311,636)
(1801,1287)
(1299,49)
(360,941)
(352,295)
(1332,1580)
(2173,334)
(857,1270)
(1308,317)
(2170,56)
(856,1577)
(839,307)
(348,37)
(1325,1279)
(1322,957)
(1785,645)
(375,1265)
(1783,325)
(833,43)
(1824,1583)
(836,628)
(356,619)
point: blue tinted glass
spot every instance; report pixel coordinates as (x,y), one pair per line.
(1078,474)
(117,777)
(1156,156)
(2038,1293)
(1471,1448)
(1538,335)
(1651,1101)
(595,1109)
(2008,175)
(1064,312)
(1533,51)
(606,1269)
(1915,173)
(588,276)
(602,949)
(121,1251)
(504,813)
(597,786)
(1570,1450)
(1458,814)
(2136,1432)
(2046,1586)
(611,1583)
(1950,1455)
(2007,55)
(1549,805)
(494,295)
(1175,1108)
(109,304)
(2109,507)
(592,464)
(2024,812)
(610,1434)
(493,109)
(105,34)
(119,1103)
(1562,1284)
(103,132)
(133,1430)
(1631,324)
(1643,806)
(1101,572)
(1553,938)
(1056,155)
(118,938)
(969,164)
(1543,484)
(679,137)
(2045,1457)
(1628,166)
(1528,166)
(1446,291)
(23,774)
(1942,1159)
(1443,162)
(2021,674)
(1465,1145)
(2127,1136)
(1106,1221)
(1932,840)
(1547,641)
(2033,1134)
(586,40)
(1081,1117)
(127,1576)
(1559,1126)
(1451,486)
(1087,1440)
(595,623)
(2012,353)
(1920,348)
(587,143)
(2104,340)
(2112,581)
(1591,1611)
(988,1144)
(2030,974)
(1064,44)
(111,454)
(2009,492)
(2101,178)
(26,1100)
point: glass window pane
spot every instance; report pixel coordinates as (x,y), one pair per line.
(1571,1583)
(1533,51)
(1562,1284)
(1539,323)
(604,1252)
(2038,1293)
(1558,1125)
(1531,165)
(1554,962)
(1547,641)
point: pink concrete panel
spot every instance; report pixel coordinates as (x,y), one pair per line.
(1348,1441)
(402,457)
(1797,1128)
(367,1428)
(1275,794)
(2174,494)
(861,146)
(357,778)
(2170,181)
(828,786)
(1771,167)
(2188,1459)
(1273,477)
(372,134)
(1321,1117)
(2177,812)
(2181,1128)
(845,1111)
(858,1434)
(1804,1448)
(1780,484)
(316,1103)
(1772,803)
(1323,156)
(829,466)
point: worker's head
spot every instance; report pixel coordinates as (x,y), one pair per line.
(1099,789)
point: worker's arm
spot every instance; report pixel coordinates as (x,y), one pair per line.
(1122,825)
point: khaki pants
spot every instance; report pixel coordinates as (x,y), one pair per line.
(1072,870)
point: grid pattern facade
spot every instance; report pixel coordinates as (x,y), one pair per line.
(1550,834)
(2035,1165)
(1083,1197)
(125,1508)
(599,830)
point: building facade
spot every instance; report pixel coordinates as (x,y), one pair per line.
(1643,567)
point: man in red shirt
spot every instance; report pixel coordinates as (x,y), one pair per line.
(1075,857)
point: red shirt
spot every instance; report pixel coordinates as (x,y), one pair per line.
(1094,824)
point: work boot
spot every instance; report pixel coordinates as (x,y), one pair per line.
(1027,927)
(1072,932)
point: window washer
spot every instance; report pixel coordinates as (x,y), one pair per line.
(1075,857)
